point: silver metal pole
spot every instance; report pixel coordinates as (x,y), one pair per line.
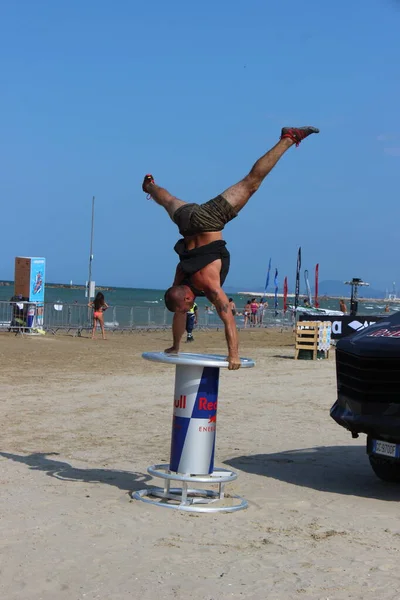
(91,250)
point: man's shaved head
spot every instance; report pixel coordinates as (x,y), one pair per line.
(179,298)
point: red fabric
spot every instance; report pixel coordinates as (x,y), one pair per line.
(285,292)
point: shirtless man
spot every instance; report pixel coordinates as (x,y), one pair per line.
(204,259)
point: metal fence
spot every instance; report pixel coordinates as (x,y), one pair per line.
(19,316)
(23,317)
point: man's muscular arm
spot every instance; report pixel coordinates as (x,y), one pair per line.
(179,319)
(178,329)
(217,296)
(209,281)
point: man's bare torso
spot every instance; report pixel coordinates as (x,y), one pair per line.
(204,278)
(201,239)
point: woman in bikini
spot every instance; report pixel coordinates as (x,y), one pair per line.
(254,310)
(99,305)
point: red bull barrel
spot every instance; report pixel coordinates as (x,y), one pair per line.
(194,421)
(195,406)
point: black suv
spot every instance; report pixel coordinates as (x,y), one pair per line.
(368,384)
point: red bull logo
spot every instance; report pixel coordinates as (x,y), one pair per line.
(390,333)
(204,404)
(180,402)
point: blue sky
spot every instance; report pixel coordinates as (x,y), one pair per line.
(95,94)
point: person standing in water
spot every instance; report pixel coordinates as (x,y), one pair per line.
(342,306)
(247,313)
(254,310)
(99,305)
(260,314)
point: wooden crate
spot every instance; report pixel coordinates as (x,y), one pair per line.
(307,333)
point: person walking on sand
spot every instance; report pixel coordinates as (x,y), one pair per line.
(191,322)
(204,259)
(99,305)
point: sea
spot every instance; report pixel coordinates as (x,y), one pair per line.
(138,297)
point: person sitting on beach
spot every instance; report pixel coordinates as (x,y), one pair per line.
(204,259)
(99,305)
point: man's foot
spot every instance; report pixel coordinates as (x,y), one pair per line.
(146,181)
(171,350)
(190,338)
(297,134)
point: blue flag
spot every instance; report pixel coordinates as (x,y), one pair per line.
(267,281)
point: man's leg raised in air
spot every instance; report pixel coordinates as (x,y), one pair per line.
(161,196)
(239,194)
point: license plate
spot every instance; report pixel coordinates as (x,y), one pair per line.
(386,448)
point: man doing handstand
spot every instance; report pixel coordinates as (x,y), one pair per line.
(204,258)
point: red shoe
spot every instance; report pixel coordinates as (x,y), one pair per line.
(297,134)
(147,179)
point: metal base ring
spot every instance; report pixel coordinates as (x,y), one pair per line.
(217,476)
(190,499)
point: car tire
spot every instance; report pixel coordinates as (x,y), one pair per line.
(385,469)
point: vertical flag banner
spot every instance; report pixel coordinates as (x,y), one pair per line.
(276,292)
(285,292)
(267,280)
(297,287)
(316,303)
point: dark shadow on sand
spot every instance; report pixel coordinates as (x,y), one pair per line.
(337,469)
(124,480)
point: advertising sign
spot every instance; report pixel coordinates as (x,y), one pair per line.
(346,324)
(36,286)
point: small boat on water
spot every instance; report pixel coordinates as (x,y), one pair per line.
(306,310)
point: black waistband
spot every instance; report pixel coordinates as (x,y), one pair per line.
(196,259)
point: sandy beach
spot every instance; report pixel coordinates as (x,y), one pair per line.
(81,422)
